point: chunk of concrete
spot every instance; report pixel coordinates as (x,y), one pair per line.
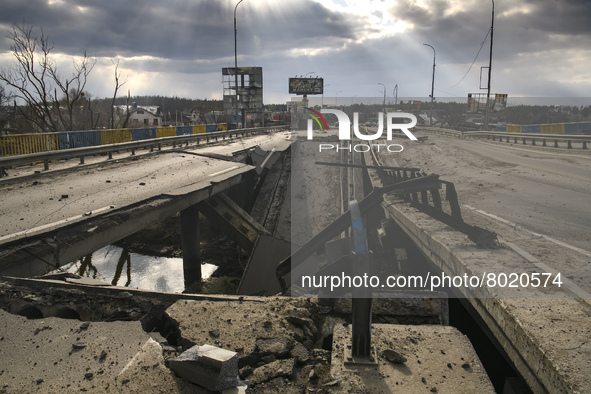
(208,366)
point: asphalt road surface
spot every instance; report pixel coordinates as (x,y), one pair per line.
(537,198)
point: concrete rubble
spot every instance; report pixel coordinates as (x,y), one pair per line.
(229,344)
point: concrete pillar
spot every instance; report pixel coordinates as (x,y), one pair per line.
(190,245)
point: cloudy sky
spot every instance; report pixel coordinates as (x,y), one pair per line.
(178,47)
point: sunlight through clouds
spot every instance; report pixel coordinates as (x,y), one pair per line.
(179,47)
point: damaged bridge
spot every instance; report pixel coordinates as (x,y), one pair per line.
(49,219)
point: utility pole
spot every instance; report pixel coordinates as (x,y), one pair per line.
(236,61)
(492,26)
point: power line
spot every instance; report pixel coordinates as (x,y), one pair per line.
(473,61)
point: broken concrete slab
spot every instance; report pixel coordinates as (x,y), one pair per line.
(438,359)
(52,355)
(275,369)
(242,323)
(208,366)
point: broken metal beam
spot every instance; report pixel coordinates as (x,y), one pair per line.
(233,220)
(373,199)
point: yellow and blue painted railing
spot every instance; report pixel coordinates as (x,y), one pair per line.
(22,144)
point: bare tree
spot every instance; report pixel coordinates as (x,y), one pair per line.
(5,112)
(118,85)
(50,101)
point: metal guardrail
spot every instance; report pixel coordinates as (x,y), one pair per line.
(450,132)
(507,136)
(533,137)
(81,153)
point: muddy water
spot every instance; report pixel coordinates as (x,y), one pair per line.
(120,267)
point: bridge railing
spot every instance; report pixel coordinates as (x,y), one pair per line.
(517,134)
(21,144)
(130,145)
(534,138)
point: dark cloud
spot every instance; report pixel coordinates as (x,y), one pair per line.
(176,29)
(192,39)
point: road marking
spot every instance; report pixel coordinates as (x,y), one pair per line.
(548,238)
(223,171)
(54,224)
(438,148)
(494,172)
(573,287)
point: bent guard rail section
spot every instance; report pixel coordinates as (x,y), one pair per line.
(373,199)
(421,201)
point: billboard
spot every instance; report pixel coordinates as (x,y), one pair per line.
(306,85)
(249,90)
(477,102)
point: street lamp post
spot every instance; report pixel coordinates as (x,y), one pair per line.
(384,102)
(323,86)
(236,62)
(492,25)
(432,86)
(395,93)
(336,104)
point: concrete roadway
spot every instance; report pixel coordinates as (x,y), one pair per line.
(536,198)
(544,190)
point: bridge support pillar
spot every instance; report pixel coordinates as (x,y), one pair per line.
(190,245)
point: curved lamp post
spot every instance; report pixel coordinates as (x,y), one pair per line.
(384,103)
(323,86)
(432,86)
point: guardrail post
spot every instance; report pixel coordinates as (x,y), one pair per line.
(362,297)
(190,245)
(524,140)
(584,144)
(81,159)
(46,164)
(544,142)
(569,145)
(436,199)
(556,143)
(110,155)
(452,196)
(533,142)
